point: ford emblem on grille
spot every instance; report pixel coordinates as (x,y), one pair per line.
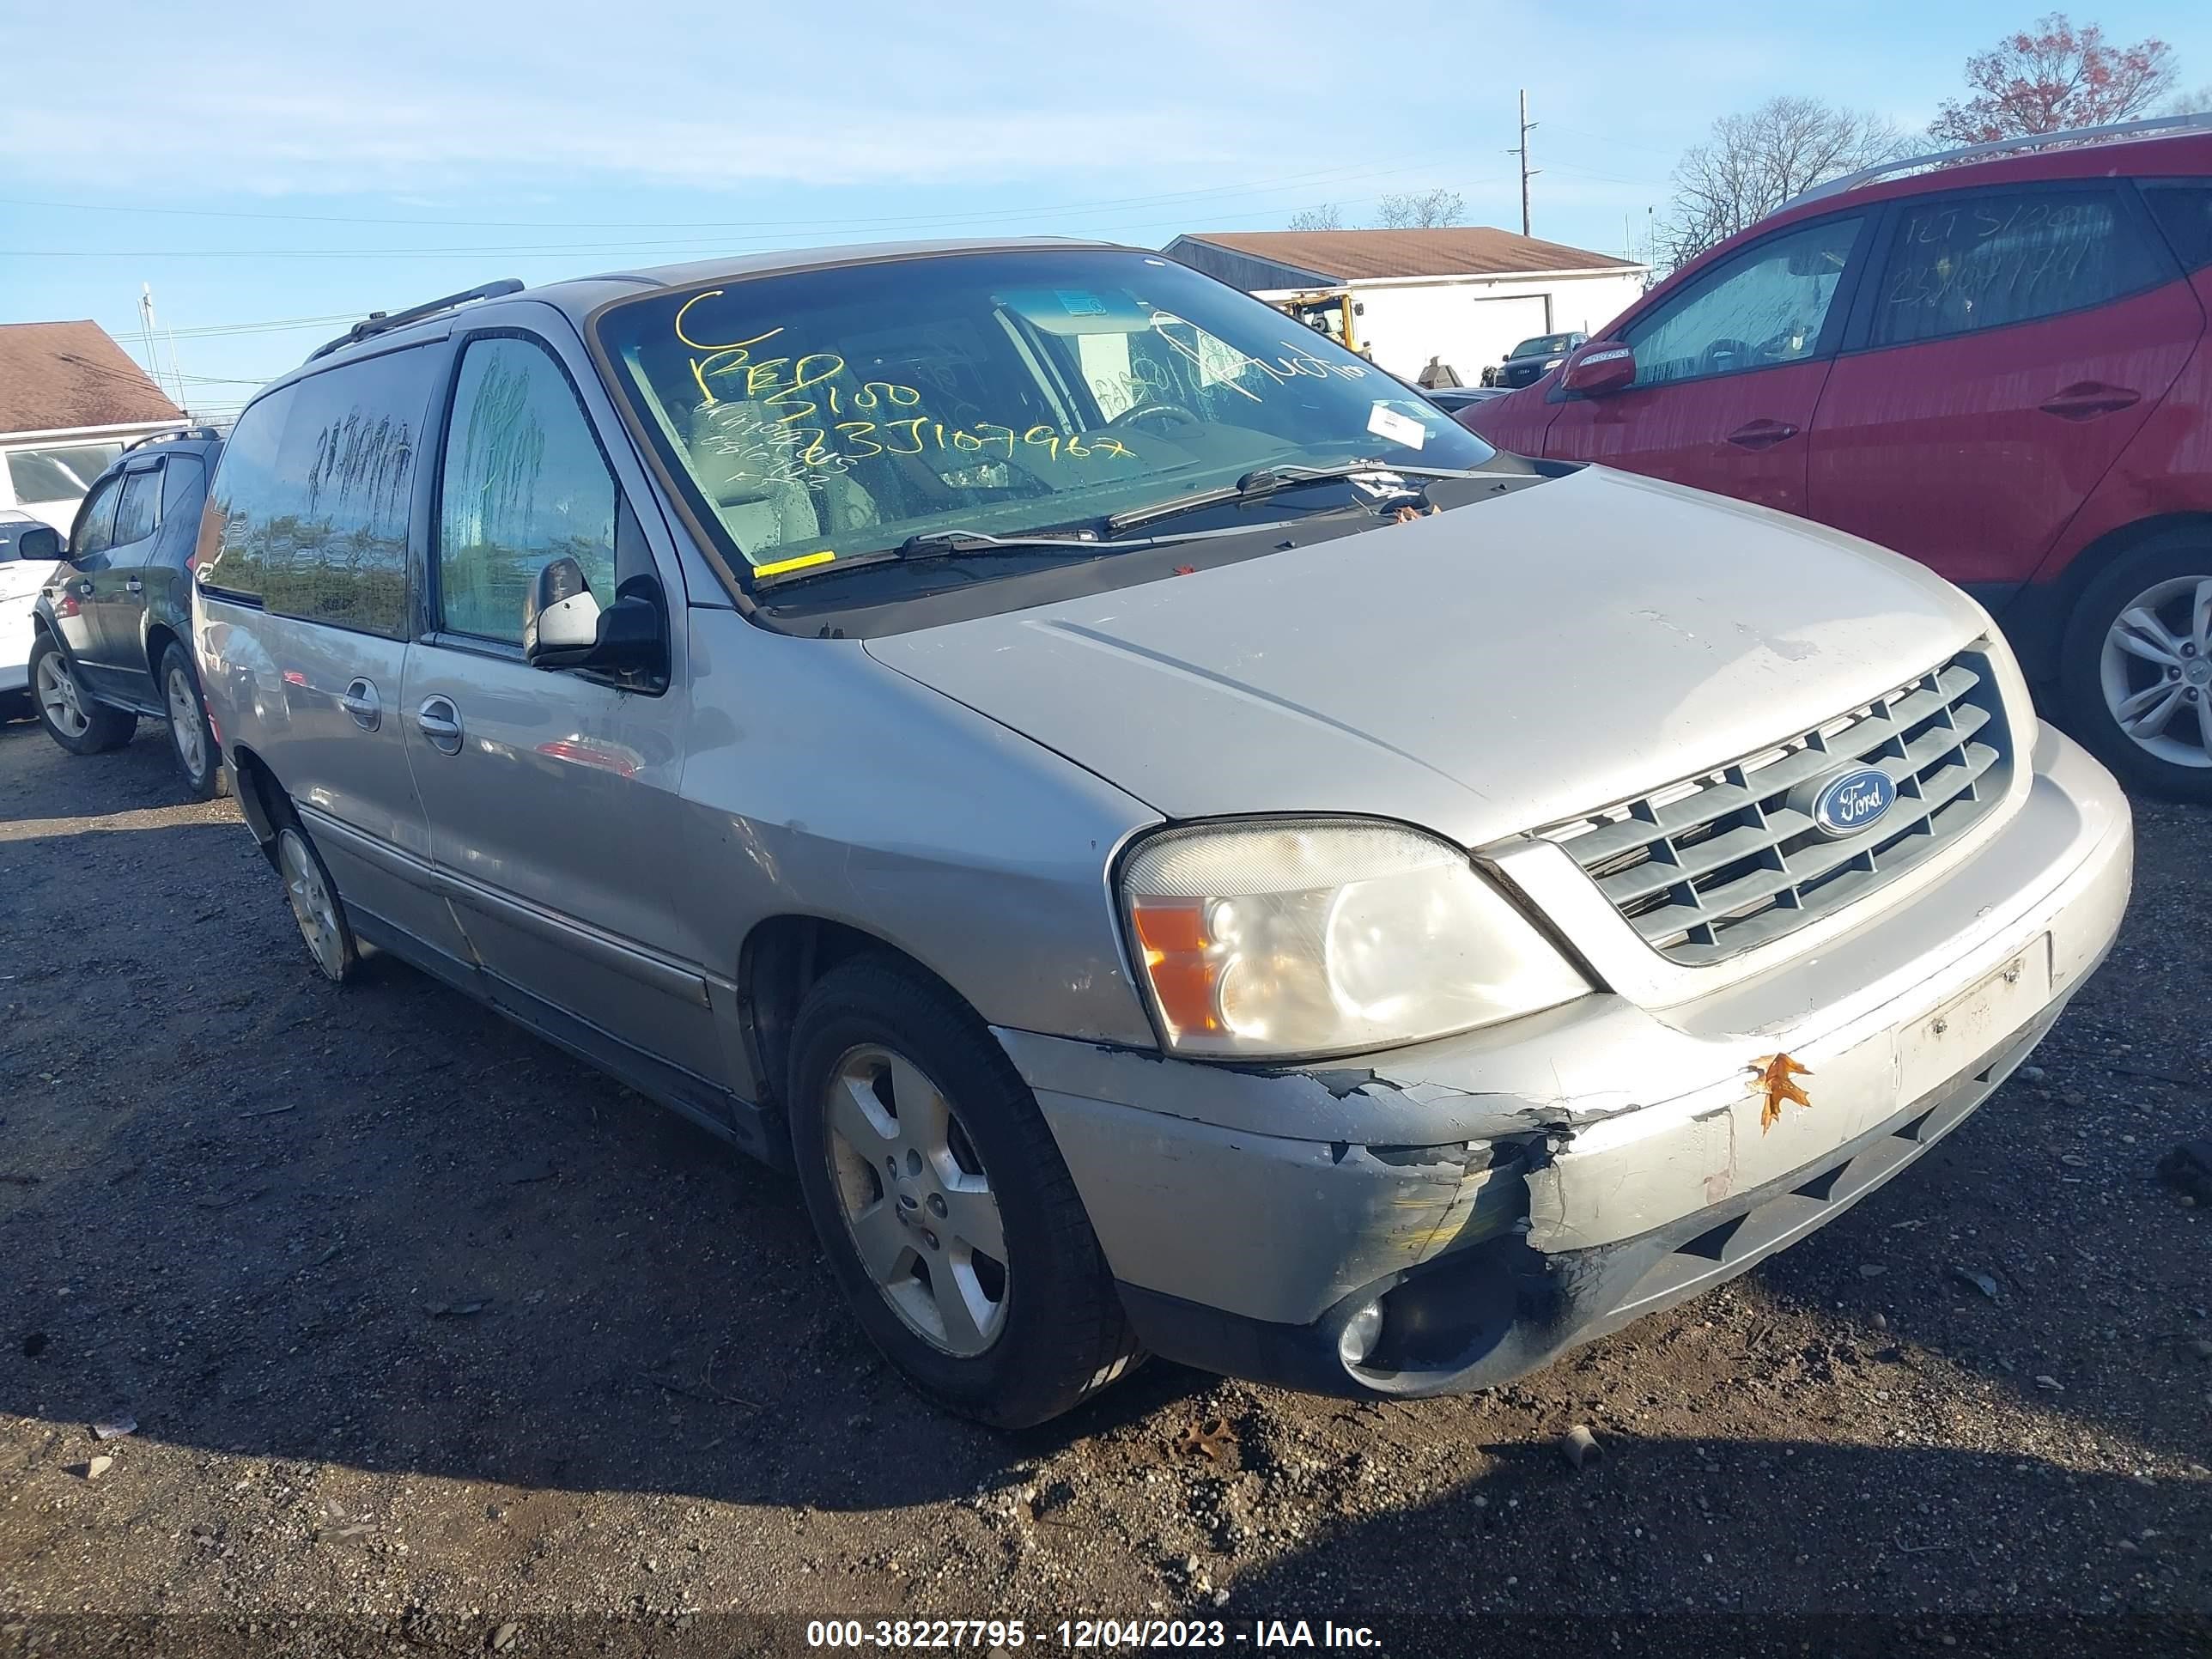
(1845,803)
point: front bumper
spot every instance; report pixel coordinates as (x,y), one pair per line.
(1511,1192)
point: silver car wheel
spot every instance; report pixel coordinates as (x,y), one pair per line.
(185,729)
(312,907)
(916,1200)
(59,698)
(2156,671)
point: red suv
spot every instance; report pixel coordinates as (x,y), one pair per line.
(1997,367)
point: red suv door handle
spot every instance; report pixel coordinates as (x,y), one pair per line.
(1762,434)
(2085,400)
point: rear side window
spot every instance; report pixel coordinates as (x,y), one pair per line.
(1768,305)
(314,490)
(139,510)
(1961,264)
(523,483)
(2183,212)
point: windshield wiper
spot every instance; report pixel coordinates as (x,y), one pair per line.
(1266,480)
(976,543)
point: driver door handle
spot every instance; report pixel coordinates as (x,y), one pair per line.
(1762,434)
(440,721)
(83,588)
(134,585)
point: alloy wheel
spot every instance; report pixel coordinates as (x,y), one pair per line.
(59,696)
(187,727)
(916,1201)
(2155,671)
(312,907)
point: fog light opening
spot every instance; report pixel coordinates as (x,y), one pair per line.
(1360,1333)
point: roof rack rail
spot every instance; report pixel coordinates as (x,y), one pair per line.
(203,432)
(2199,122)
(378,322)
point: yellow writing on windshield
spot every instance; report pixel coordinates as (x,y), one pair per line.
(775,416)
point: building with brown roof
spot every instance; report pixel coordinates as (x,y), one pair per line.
(1467,294)
(70,398)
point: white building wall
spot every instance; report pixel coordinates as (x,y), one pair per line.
(1471,321)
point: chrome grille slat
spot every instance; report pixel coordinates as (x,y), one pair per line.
(1720,862)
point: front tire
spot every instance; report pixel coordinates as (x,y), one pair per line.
(72,717)
(948,1218)
(191,739)
(2135,667)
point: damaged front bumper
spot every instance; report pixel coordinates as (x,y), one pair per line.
(1501,1196)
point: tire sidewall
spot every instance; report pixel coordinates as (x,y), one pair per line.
(208,784)
(856,1012)
(2081,693)
(86,742)
(289,825)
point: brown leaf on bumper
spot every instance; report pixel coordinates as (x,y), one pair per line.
(1772,1078)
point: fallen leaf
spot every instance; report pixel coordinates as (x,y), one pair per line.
(1211,1438)
(1772,1078)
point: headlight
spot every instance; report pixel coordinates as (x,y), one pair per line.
(1325,936)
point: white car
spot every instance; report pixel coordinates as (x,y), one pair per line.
(30,553)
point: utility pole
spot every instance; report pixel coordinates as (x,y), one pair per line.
(151,332)
(1527,172)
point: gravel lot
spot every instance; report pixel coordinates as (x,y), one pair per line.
(442,1342)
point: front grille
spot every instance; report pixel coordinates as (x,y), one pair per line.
(1722,862)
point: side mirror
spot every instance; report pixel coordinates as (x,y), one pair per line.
(562,627)
(41,542)
(1601,367)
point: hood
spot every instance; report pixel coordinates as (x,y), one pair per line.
(1480,673)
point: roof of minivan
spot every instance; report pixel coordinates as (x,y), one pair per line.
(578,296)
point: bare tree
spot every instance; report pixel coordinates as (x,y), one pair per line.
(1324,217)
(2196,102)
(2052,78)
(1423,210)
(1755,162)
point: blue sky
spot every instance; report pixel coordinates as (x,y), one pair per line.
(262,164)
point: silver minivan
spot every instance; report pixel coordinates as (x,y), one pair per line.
(1177,845)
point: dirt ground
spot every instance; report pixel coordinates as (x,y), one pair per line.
(437,1341)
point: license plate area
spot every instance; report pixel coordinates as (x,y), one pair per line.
(1938,1046)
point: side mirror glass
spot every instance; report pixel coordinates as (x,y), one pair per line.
(41,543)
(1598,368)
(563,627)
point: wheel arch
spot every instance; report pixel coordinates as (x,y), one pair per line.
(2036,621)
(260,797)
(782,959)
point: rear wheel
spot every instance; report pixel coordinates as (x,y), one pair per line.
(69,714)
(315,903)
(191,740)
(2136,675)
(942,1203)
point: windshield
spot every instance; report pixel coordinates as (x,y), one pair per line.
(812,417)
(1543,346)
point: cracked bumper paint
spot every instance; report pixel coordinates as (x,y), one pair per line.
(1514,1191)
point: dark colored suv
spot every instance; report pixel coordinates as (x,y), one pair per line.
(112,630)
(1998,365)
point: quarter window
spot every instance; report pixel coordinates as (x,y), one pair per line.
(523,483)
(1959,264)
(139,513)
(1766,306)
(2183,212)
(314,490)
